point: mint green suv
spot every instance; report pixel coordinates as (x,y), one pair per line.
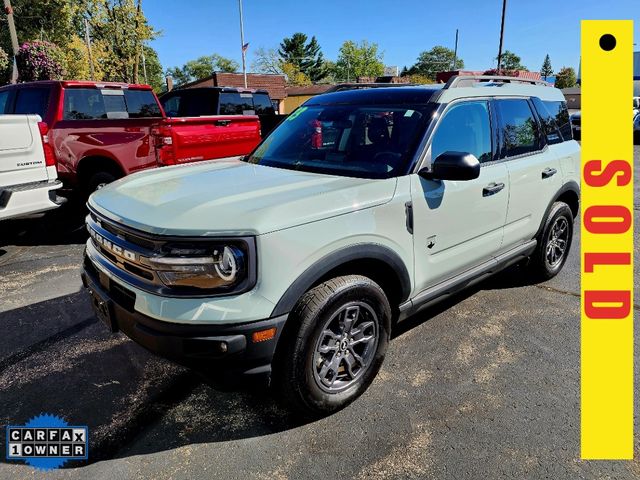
(363,207)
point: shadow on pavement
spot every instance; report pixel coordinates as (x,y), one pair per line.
(57,358)
(62,226)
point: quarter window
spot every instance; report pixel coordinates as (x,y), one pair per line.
(559,111)
(519,129)
(465,127)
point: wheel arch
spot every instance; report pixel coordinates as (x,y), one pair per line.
(569,193)
(92,164)
(380,263)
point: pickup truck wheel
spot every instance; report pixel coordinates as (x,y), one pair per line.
(337,343)
(554,243)
(99,180)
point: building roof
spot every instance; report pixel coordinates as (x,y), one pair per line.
(307,90)
(274,84)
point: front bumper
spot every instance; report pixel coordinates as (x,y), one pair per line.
(224,349)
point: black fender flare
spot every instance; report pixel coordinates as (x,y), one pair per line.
(570,186)
(362,251)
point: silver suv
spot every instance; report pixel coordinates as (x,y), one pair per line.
(363,207)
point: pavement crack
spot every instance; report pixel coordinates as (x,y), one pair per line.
(44,344)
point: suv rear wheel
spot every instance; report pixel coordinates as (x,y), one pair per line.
(337,343)
(554,243)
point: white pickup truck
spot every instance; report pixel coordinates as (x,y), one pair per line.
(28,176)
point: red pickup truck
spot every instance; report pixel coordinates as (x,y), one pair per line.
(102,131)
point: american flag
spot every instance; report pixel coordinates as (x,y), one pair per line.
(245,46)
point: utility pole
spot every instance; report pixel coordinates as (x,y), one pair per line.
(455,53)
(242,45)
(504,9)
(87,40)
(144,66)
(14,38)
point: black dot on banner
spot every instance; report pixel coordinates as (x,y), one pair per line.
(607,42)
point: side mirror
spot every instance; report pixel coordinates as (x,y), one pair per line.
(453,166)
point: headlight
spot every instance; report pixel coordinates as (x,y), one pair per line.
(223,267)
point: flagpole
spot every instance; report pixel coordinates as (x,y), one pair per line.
(244,61)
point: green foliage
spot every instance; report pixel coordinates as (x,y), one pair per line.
(566,78)
(48,20)
(419,79)
(305,56)
(202,67)
(547,69)
(358,60)
(438,59)
(155,73)
(4,66)
(119,25)
(511,61)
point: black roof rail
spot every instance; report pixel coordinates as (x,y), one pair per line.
(456,80)
(341,87)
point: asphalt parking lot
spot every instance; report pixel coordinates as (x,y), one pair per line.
(484,386)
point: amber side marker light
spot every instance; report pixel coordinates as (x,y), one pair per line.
(263,335)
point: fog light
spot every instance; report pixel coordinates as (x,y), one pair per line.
(263,335)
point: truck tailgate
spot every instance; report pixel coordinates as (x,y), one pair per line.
(21,151)
(182,140)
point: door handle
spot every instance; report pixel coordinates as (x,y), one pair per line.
(548,173)
(492,189)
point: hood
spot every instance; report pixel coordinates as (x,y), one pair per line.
(233,197)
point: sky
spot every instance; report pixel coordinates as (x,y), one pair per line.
(402,28)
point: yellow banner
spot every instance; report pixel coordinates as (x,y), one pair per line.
(607,240)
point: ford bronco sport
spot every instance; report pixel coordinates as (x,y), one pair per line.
(362,208)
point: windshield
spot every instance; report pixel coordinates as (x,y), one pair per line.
(376,141)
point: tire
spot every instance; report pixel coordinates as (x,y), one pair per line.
(302,374)
(549,258)
(99,180)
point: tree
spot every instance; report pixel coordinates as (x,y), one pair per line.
(306,56)
(202,67)
(267,60)
(358,60)
(4,66)
(122,27)
(566,78)
(40,61)
(419,79)
(547,69)
(294,75)
(48,20)
(155,73)
(438,59)
(511,62)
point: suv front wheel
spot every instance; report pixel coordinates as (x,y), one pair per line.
(335,345)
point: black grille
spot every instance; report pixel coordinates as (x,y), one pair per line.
(124,234)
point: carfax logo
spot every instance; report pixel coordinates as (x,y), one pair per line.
(47,442)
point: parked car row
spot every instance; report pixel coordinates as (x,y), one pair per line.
(99,132)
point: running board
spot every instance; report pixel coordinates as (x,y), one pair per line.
(444,289)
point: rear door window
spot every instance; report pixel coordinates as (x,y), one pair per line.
(32,101)
(519,130)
